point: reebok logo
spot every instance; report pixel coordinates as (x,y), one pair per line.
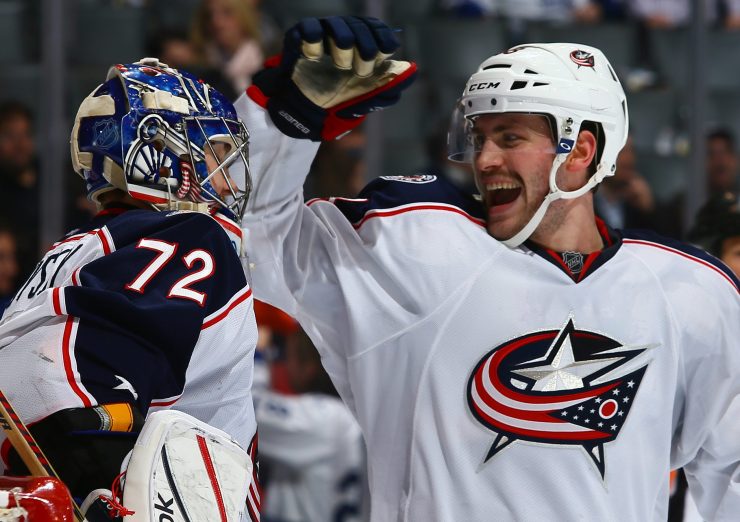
(298,125)
(163,505)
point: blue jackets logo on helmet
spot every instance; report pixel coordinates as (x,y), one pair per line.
(582,58)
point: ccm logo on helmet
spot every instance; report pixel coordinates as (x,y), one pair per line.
(483,85)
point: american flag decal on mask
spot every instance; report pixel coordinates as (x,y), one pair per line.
(556,387)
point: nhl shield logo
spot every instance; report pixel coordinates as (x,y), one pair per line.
(563,386)
(106,133)
(574,261)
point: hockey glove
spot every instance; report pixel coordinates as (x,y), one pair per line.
(332,72)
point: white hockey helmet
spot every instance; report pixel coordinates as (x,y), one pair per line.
(570,83)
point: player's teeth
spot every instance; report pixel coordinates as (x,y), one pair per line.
(499,186)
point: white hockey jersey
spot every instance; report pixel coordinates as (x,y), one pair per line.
(492,383)
(142,307)
(311,458)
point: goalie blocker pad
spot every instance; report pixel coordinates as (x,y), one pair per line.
(182,469)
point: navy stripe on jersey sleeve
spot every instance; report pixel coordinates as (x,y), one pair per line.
(147,335)
(648,235)
(388,192)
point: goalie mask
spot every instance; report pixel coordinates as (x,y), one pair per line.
(570,84)
(162,136)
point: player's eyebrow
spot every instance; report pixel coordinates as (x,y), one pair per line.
(498,128)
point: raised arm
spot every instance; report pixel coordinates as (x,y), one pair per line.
(332,73)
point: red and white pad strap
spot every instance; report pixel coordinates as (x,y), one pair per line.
(182,469)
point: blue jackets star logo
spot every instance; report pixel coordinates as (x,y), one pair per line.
(564,386)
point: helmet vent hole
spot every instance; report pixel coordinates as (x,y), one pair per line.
(519,84)
(498,66)
(530,71)
(493,101)
(539,84)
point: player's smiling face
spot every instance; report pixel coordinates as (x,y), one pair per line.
(514,154)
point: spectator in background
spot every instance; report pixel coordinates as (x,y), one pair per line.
(727,247)
(717,229)
(722,163)
(273,328)
(175,48)
(19,180)
(626,200)
(346,155)
(226,36)
(311,449)
(722,186)
(667,14)
(271,34)
(439,165)
(582,11)
(8,266)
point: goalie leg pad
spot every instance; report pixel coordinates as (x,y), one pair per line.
(182,469)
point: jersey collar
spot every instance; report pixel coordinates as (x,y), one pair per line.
(576,265)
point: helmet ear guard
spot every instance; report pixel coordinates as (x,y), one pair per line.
(569,83)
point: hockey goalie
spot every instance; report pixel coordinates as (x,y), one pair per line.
(144,311)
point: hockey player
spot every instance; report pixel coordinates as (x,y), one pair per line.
(311,449)
(507,357)
(147,308)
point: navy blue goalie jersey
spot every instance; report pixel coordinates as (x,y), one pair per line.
(142,307)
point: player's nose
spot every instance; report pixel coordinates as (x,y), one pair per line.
(489,158)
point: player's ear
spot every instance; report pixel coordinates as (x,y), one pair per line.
(583,152)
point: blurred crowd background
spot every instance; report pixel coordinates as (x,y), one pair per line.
(677,59)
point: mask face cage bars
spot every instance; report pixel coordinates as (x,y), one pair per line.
(236,201)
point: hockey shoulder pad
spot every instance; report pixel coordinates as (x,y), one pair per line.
(182,469)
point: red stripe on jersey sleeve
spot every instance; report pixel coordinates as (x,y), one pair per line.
(104,241)
(56,300)
(67,358)
(210,322)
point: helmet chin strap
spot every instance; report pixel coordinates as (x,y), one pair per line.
(555,194)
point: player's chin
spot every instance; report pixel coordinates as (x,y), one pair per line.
(505,218)
(503,229)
